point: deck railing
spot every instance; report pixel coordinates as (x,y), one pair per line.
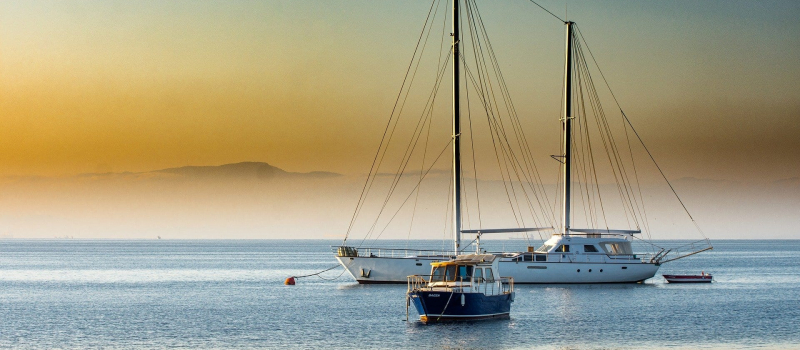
(502,285)
(368,252)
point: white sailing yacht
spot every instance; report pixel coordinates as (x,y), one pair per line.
(571,255)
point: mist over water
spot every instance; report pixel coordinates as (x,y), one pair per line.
(229,294)
(269,203)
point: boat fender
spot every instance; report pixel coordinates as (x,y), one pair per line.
(289,281)
(463,301)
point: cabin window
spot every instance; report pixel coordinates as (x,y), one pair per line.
(438,274)
(450,273)
(478,276)
(489,275)
(540,257)
(545,248)
(527,257)
(563,249)
(589,249)
(621,248)
(464,272)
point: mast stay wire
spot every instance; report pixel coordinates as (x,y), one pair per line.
(413,190)
(627,120)
(497,125)
(430,122)
(519,131)
(610,144)
(546,10)
(632,200)
(487,87)
(415,137)
(605,134)
(504,152)
(479,58)
(370,175)
(489,110)
(527,156)
(409,151)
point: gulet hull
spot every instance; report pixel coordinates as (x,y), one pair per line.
(382,270)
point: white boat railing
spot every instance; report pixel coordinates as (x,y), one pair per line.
(578,257)
(502,285)
(683,251)
(368,252)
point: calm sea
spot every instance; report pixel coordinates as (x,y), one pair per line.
(229,294)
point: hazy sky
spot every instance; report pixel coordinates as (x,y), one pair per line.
(108,85)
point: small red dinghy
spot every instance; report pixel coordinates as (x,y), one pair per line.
(701,278)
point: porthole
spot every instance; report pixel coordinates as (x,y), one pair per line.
(590,270)
(579,270)
(601,270)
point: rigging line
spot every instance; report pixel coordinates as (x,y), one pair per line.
(508,153)
(608,140)
(421,170)
(414,189)
(617,157)
(398,174)
(448,212)
(633,202)
(407,156)
(463,189)
(364,190)
(642,208)
(581,77)
(540,6)
(493,130)
(580,86)
(414,140)
(507,157)
(474,161)
(516,124)
(557,200)
(582,161)
(489,113)
(580,164)
(317,273)
(507,149)
(625,190)
(638,186)
(585,162)
(662,174)
(627,120)
(430,118)
(409,150)
(472,148)
(481,60)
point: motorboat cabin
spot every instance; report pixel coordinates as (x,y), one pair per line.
(466,288)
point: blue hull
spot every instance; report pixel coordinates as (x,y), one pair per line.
(434,306)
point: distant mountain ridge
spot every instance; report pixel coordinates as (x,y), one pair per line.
(258,170)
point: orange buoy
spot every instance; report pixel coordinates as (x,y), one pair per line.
(289,281)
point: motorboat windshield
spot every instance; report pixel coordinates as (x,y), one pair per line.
(451,273)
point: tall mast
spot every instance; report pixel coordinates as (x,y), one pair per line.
(456,135)
(567,127)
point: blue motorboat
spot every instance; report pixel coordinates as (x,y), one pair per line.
(465,288)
